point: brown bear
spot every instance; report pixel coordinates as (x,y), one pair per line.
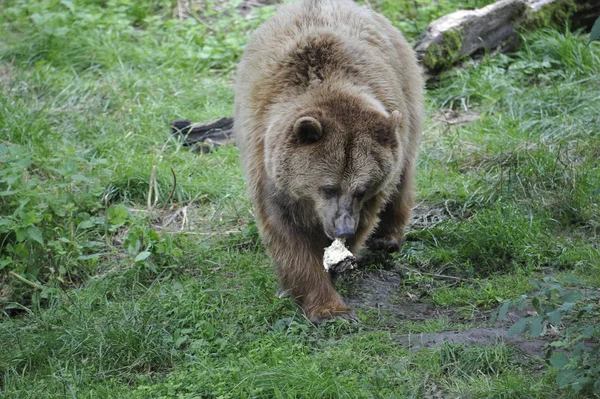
(328,115)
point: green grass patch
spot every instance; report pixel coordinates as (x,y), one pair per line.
(485,293)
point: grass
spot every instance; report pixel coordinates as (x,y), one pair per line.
(100,299)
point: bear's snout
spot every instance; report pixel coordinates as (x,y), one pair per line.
(344,226)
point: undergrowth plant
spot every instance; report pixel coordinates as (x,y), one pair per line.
(566,311)
(65,192)
(51,224)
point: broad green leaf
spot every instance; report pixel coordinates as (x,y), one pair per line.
(23,163)
(35,233)
(578,349)
(5,225)
(571,296)
(21,250)
(47,292)
(503,310)
(493,316)
(567,306)
(86,224)
(584,310)
(595,35)
(89,257)
(21,234)
(68,4)
(142,256)
(79,177)
(132,242)
(37,19)
(177,287)
(571,279)
(535,302)
(535,284)
(5,262)
(519,327)
(209,329)
(559,360)
(536,326)
(117,215)
(153,236)
(280,325)
(554,317)
(180,341)
(30,217)
(522,302)
(588,332)
(553,288)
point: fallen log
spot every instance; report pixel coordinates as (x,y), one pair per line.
(204,136)
(463,34)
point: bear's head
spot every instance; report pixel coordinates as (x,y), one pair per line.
(340,155)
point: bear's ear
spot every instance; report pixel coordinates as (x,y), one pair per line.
(307,130)
(396,119)
(387,135)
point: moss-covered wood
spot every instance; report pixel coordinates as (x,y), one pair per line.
(466,33)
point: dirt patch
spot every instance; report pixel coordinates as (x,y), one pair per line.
(454,117)
(382,290)
(6,74)
(193,219)
(4,291)
(425,215)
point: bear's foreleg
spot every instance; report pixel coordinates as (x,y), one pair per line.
(395,216)
(299,264)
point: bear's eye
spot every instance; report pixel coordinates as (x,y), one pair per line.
(360,194)
(330,191)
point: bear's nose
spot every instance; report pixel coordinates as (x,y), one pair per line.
(344,226)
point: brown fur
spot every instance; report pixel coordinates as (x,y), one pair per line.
(344,70)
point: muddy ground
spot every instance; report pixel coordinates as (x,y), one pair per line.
(382,291)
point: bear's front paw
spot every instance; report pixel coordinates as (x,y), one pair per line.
(387,244)
(325,313)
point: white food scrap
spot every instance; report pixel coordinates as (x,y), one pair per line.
(335,254)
